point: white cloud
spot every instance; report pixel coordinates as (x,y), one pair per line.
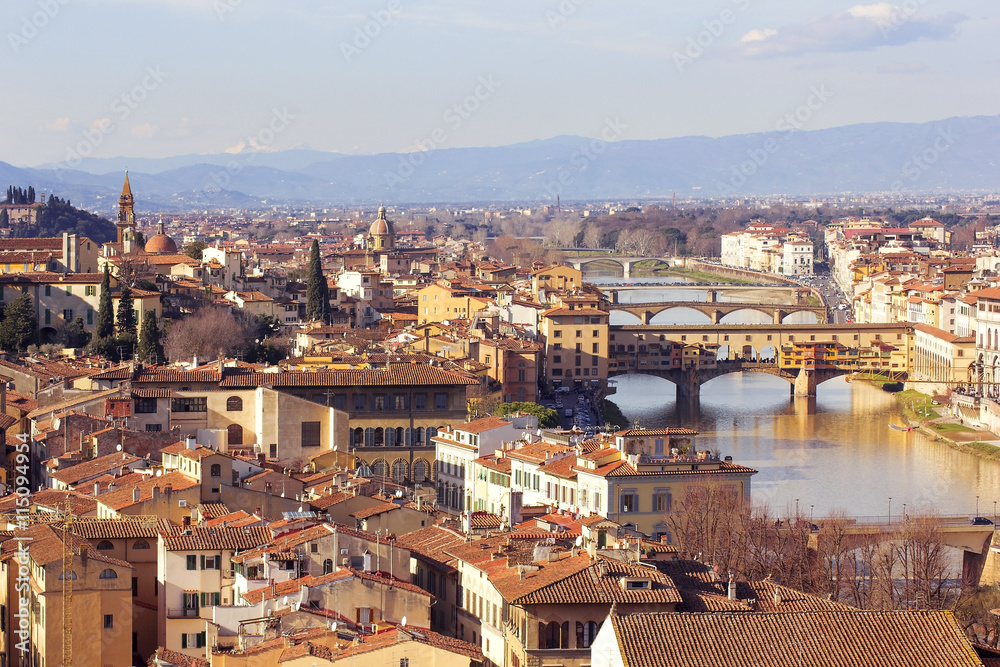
(58,125)
(145,131)
(860,28)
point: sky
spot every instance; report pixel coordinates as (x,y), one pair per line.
(157,78)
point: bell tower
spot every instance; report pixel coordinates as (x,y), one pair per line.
(126,213)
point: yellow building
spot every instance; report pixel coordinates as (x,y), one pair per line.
(555,279)
(98,621)
(439,302)
(576,345)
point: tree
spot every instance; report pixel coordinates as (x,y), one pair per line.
(205,334)
(17,331)
(317,291)
(105,314)
(193,249)
(75,335)
(126,312)
(150,348)
(4,218)
(547,417)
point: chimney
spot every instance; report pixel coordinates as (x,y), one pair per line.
(420,502)
(777,597)
(97,488)
(156,492)
(191,440)
(732,587)
(222,364)
(135,494)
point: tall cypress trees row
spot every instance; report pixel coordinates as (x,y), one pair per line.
(317,291)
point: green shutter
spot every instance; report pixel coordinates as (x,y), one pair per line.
(201,639)
(203,561)
(184,640)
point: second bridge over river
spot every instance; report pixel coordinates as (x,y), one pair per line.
(804,355)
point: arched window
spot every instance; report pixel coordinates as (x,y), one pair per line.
(140,544)
(585,633)
(554,635)
(105,545)
(430,432)
(399,436)
(108,574)
(379,437)
(390,437)
(420,470)
(369,437)
(235,434)
(399,470)
(420,436)
(216,470)
(359,437)
(62,575)
(379,468)
(234,404)
(327,566)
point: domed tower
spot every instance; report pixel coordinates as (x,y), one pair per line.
(381,235)
(126,213)
(160,243)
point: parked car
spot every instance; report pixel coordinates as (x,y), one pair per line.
(981,521)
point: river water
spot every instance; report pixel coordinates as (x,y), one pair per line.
(828,453)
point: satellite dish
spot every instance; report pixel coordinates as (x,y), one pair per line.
(335,447)
(300,508)
(403,623)
(399,493)
(333,626)
(579,540)
(119,448)
(284,600)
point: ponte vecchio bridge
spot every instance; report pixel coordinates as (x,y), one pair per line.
(805,355)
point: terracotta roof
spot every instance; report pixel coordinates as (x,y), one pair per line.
(124,497)
(633,432)
(395,375)
(94,468)
(216,539)
(831,639)
(179,659)
(481,425)
(294,585)
(431,543)
(125,528)
(375,510)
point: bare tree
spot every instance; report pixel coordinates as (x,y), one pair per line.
(205,334)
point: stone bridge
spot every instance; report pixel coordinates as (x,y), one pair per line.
(627,263)
(688,380)
(716,310)
(958,532)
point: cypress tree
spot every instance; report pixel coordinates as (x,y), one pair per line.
(126,314)
(105,314)
(317,291)
(150,347)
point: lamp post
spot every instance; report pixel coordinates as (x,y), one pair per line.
(810,513)
(904,511)
(977,506)
(796,508)
(890,509)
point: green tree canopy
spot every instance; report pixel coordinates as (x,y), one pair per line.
(547,418)
(19,326)
(193,249)
(150,348)
(105,314)
(126,313)
(317,291)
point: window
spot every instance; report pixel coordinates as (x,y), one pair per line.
(378,402)
(109,621)
(235,434)
(662,500)
(216,470)
(579,347)
(192,562)
(154,427)
(310,434)
(420,401)
(90,316)
(145,405)
(67,314)
(441,401)
(557,334)
(189,404)
(404,662)
(595,348)
(234,404)
(108,573)
(359,402)
(105,545)
(140,544)
(48,290)
(630,502)
(557,359)
(90,290)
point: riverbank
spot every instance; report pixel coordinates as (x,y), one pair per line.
(922,412)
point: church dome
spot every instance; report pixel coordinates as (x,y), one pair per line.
(160,244)
(381,226)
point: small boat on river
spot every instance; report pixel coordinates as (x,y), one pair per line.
(897,427)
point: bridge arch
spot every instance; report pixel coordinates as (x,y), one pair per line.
(749,316)
(680,315)
(616,316)
(800,317)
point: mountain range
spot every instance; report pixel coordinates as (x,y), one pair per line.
(952,155)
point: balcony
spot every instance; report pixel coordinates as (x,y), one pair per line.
(186,612)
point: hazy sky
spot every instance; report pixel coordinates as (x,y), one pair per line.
(154,78)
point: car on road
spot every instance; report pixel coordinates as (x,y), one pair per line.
(981,521)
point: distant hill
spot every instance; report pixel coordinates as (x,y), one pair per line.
(952,155)
(58,216)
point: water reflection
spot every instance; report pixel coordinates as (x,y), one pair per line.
(832,451)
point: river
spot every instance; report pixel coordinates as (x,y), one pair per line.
(828,453)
